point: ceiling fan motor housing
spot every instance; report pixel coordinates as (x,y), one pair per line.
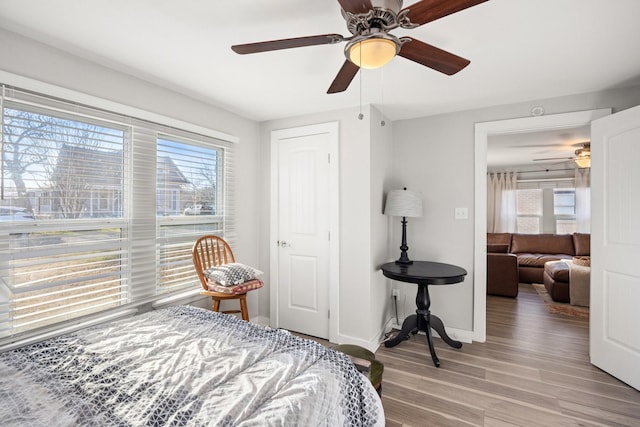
(384,15)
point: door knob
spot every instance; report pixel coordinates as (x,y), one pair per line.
(283,243)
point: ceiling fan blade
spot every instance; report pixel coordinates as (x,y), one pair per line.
(429,10)
(356,6)
(344,77)
(286,43)
(554,158)
(432,57)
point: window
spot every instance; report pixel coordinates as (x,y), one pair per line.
(92,209)
(529,210)
(544,207)
(564,210)
(189,203)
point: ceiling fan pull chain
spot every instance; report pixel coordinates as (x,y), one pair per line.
(360,116)
(382,122)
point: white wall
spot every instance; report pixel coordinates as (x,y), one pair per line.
(381,153)
(435,156)
(27,58)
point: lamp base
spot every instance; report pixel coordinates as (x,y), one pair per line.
(404,258)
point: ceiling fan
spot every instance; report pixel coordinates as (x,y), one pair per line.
(582,156)
(371,45)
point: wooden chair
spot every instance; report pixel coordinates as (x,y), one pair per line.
(210,251)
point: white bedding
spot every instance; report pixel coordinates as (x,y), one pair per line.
(183,366)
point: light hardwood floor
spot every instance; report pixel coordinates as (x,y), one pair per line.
(533,370)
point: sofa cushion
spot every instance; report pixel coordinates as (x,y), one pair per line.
(558,271)
(538,260)
(582,244)
(542,244)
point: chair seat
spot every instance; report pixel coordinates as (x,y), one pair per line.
(241,288)
(221,295)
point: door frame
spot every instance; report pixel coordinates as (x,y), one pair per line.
(332,130)
(483,131)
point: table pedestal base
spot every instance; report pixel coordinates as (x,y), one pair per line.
(423,321)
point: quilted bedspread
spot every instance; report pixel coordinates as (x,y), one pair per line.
(183,366)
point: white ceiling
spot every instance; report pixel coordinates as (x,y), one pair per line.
(527,149)
(520,50)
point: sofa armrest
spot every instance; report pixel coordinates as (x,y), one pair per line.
(502,274)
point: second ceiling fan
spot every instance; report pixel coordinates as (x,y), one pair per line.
(371,45)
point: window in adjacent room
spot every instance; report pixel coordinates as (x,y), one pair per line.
(546,207)
(564,210)
(529,210)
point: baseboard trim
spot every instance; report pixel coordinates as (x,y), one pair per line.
(260,320)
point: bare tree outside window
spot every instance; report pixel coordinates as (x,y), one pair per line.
(71,163)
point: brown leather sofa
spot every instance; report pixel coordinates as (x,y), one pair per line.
(533,251)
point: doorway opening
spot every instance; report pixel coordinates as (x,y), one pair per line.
(483,131)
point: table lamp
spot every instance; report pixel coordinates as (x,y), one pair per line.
(403,203)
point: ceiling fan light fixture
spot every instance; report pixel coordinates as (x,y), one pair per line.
(372,52)
(583,157)
(583,161)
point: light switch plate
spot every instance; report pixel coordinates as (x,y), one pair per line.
(462,213)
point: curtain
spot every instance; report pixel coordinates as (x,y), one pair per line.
(501,203)
(583,200)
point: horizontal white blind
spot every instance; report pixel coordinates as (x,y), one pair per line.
(190,203)
(64,251)
(142,202)
(83,228)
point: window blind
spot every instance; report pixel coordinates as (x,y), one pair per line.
(83,222)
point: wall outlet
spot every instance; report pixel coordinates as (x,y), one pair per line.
(395,292)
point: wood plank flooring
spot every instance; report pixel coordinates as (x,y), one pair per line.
(533,370)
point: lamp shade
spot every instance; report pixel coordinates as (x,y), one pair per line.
(403,203)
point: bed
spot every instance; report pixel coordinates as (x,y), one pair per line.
(183,366)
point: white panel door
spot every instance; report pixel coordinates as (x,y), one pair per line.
(303,223)
(615,245)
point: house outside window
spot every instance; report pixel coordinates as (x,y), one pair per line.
(95,207)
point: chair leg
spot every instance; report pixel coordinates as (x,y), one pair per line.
(243,308)
(216,305)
